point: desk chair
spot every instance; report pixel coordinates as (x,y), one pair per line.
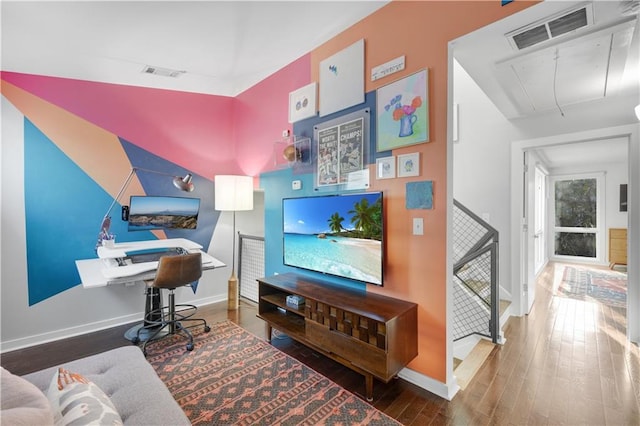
(173,272)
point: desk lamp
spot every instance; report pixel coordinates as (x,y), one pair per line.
(233,193)
(182,183)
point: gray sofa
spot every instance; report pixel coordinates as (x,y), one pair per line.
(137,393)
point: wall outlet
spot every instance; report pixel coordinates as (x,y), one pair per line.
(418,226)
(296,184)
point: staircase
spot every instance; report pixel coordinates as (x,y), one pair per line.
(477,308)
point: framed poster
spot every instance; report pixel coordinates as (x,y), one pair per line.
(342,79)
(340,152)
(302,103)
(327,170)
(403,112)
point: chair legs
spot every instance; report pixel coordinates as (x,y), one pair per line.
(170,318)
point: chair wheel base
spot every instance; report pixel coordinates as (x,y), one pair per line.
(189,346)
(207,329)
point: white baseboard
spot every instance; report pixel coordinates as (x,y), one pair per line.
(425,382)
(38,339)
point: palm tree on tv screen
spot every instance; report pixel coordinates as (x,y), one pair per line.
(335,222)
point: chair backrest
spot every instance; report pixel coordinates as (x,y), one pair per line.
(177,271)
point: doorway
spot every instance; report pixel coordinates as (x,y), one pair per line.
(523,264)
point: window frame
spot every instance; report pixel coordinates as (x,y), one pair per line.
(599,230)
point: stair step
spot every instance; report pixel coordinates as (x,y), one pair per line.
(472,363)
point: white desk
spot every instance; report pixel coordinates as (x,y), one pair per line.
(105,271)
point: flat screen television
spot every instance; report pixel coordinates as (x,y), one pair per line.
(339,235)
(159,212)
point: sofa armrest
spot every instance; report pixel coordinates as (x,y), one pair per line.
(124,374)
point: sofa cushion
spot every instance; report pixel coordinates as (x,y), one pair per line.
(22,403)
(76,400)
(131,383)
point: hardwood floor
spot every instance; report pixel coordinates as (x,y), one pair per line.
(567,362)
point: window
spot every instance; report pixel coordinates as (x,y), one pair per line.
(577,216)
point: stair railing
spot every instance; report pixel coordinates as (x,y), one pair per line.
(475,276)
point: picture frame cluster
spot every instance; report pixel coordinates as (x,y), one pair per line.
(404,165)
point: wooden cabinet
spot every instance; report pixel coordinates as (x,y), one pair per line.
(374,335)
(617,246)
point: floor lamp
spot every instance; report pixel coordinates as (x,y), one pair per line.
(233,193)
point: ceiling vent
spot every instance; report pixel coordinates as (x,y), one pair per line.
(165,72)
(551,28)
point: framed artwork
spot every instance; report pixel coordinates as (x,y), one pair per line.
(419,195)
(386,167)
(340,152)
(302,103)
(403,112)
(342,79)
(409,165)
(341,149)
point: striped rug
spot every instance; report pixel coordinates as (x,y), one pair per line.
(235,378)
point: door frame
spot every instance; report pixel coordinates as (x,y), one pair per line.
(632,133)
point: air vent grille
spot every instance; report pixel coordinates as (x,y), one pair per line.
(567,23)
(165,72)
(530,37)
(556,26)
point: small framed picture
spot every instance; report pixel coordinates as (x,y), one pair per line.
(302,103)
(386,167)
(409,165)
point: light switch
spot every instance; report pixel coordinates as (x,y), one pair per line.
(418,226)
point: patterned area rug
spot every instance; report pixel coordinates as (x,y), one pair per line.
(234,378)
(601,285)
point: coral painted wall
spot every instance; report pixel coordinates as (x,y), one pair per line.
(416,266)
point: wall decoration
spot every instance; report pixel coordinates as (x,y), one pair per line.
(302,103)
(388,68)
(340,152)
(419,195)
(403,112)
(342,79)
(409,165)
(386,167)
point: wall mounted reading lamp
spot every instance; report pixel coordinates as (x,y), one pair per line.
(233,193)
(182,183)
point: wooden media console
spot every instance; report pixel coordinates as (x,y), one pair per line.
(374,335)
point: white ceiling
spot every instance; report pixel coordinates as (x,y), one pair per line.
(597,74)
(225,47)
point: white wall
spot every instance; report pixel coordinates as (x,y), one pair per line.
(481,162)
(77,311)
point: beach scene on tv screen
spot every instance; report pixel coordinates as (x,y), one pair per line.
(337,235)
(148,213)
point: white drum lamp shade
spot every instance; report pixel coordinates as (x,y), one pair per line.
(233,193)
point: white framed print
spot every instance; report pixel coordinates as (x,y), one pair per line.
(409,164)
(302,103)
(342,79)
(386,168)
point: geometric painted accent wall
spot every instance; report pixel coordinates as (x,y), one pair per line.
(64,207)
(72,171)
